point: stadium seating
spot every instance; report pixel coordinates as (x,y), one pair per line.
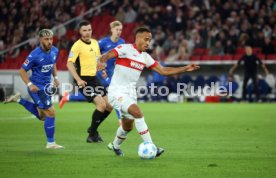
(101,28)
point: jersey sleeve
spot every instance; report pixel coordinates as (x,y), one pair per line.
(120,51)
(150,62)
(101,44)
(74,53)
(29,62)
(98,52)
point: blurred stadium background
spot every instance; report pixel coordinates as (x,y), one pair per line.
(212,33)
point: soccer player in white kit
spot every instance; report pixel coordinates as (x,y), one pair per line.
(130,61)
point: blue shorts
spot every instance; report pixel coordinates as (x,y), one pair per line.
(41,99)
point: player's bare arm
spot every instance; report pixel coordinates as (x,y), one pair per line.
(265,69)
(26,79)
(55,76)
(175,70)
(231,71)
(73,71)
(102,60)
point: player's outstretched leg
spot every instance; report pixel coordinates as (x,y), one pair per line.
(63,100)
(142,127)
(31,107)
(49,127)
(121,135)
(71,97)
(13,98)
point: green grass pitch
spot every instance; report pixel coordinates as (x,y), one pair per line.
(200,140)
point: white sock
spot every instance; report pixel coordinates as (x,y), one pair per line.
(142,129)
(120,137)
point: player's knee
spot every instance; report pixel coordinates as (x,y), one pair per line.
(50,113)
(127,124)
(135,111)
(137,114)
(101,106)
(108,107)
(128,129)
(42,116)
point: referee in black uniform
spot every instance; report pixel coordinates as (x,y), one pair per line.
(250,64)
(82,64)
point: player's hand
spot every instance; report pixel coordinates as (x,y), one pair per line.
(81,83)
(33,88)
(100,65)
(192,67)
(56,83)
(104,74)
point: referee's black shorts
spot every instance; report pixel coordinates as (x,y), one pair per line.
(93,88)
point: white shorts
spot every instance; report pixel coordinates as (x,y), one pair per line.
(122,102)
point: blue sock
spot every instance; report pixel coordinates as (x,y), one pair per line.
(78,97)
(31,107)
(118,114)
(49,127)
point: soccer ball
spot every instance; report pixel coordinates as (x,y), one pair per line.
(147,150)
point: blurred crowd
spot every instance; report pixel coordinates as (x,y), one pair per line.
(178,26)
(222,26)
(21,20)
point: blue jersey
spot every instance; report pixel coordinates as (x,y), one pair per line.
(41,63)
(106,44)
(104,81)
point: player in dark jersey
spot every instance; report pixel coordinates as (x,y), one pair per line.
(250,64)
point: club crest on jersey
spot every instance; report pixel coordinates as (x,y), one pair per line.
(120,99)
(136,65)
(46,68)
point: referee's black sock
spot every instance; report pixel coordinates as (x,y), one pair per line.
(96,121)
(105,115)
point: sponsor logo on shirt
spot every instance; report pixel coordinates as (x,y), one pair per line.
(136,65)
(46,68)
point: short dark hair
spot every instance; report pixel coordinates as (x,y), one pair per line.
(142,30)
(84,23)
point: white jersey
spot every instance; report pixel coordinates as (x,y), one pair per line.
(129,65)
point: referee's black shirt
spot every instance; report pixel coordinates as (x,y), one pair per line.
(250,64)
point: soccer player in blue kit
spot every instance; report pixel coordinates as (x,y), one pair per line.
(110,42)
(42,62)
(106,44)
